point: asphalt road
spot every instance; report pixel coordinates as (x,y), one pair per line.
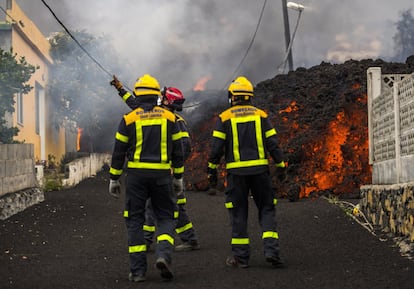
(76,238)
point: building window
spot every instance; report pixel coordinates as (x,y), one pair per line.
(19,112)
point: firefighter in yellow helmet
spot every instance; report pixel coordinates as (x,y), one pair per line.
(172,99)
(149,139)
(245,136)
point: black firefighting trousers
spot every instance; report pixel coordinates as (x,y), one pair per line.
(184,229)
(138,190)
(238,193)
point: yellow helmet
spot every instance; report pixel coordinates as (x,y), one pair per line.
(147,85)
(241,86)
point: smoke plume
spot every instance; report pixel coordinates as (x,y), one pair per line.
(181,41)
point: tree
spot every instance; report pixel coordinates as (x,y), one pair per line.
(14,75)
(80,88)
(404,38)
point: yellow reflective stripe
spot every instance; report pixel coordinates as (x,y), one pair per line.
(115,172)
(121,137)
(259,138)
(274,201)
(243,164)
(271,132)
(155,166)
(126,214)
(165,237)
(236,152)
(176,214)
(148,228)
(181,201)
(229,205)
(270,234)
(184,228)
(182,134)
(138,144)
(219,134)
(212,166)
(176,136)
(281,165)
(163,141)
(240,241)
(258,126)
(126,96)
(137,249)
(179,170)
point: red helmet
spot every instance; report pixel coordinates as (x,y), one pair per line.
(174,97)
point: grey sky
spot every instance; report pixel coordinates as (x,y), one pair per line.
(181,41)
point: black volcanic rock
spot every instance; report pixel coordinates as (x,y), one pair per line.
(320,114)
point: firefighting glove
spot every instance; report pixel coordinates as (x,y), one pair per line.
(281,165)
(178,185)
(212,177)
(116,83)
(114,188)
(281,170)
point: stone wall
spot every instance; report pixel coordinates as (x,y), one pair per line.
(16,202)
(391,207)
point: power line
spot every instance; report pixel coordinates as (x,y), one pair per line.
(110,74)
(74,39)
(250,44)
(284,62)
(245,55)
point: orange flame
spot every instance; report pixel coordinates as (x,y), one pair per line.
(78,139)
(201,83)
(292,107)
(223,175)
(356,86)
(330,165)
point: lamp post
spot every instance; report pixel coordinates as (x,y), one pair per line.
(288,38)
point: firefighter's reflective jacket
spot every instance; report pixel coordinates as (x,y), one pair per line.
(185,135)
(130,100)
(246,135)
(133,103)
(151,142)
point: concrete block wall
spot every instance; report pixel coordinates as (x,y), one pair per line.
(17,168)
(19,188)
(390,207)
(20,179)
(83,168)
(391,126)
